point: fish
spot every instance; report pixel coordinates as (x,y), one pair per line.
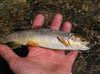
(46,38)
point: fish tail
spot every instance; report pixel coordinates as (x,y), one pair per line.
(3,39)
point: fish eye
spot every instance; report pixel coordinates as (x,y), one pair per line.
(83,40)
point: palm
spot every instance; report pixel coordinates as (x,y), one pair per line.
(38,59)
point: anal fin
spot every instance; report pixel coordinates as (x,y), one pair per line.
(13,44)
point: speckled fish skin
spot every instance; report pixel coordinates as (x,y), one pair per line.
(46,38)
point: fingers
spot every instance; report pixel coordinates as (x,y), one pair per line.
(7,53)
(55,25)
(38,21)
(71,56)
(67,27)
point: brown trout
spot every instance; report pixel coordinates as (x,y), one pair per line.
(47,38)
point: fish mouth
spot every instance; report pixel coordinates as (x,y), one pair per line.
(81,47)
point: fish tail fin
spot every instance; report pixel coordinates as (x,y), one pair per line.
(3,39)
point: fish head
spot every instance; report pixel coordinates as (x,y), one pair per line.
(78,42)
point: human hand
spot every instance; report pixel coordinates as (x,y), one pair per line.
(40,60)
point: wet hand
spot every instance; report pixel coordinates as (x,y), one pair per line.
(40,60)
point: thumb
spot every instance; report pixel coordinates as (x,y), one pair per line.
(7,53)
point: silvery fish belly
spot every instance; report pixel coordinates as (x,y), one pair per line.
(48,39)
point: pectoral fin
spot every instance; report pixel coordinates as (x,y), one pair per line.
(62,40)
(32,43)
